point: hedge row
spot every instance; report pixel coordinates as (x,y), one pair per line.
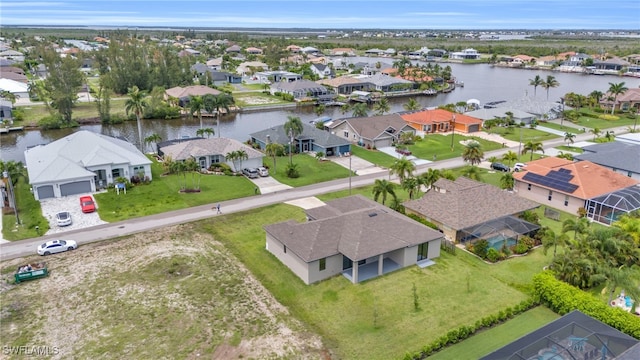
(563,298)
(456,335)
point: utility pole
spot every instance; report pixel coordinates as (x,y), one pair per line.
(350,173)
(453,130)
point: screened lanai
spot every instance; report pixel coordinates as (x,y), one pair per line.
(499,232)
(608,208)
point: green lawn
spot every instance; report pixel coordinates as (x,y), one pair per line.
(376,319)
(162,194)
(311,170)
(487,341)
(251,87)
(527,134)
(570,148)
(593,121)
(249,99)
(29,214)
(373,156)
(440,146)
(83,110)
(563,128)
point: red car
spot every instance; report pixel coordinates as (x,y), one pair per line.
(87,204)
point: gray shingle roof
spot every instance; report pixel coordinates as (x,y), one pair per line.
(614,154)
(320,137)
(466,202)
(304,85)
(372,127)
(358,234)
(206,147)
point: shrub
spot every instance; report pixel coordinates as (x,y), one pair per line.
(493,255)
(292,171)
(481,248)
(423,221)
(520,248)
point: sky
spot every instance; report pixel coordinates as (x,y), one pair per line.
(330,14)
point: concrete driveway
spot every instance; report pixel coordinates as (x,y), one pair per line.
(359,165)
(391,151)
(268,185)
(50,207)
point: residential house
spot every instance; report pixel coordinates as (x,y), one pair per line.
(6,108)
(523,60)
(428,121)
(466,54)
(12,55)
(371,132)
(626,101)
(610,66)
(81,163)
(233,49)
(189,52)
(620,157)
(353,236)
(310,50)
(253,51)
(569,186)
(15,76)
(541,109)
(19,89)
(374,52)
(209,152)
(184,93)
(346,84)
(268,77)
(572,336)
(518,116)
(323,71)
(343,52)
(386,83)
(436,54)
(311,139)
(216,77)
(293,49)
(547,61)
(302,90)
(215,64)
(251,67)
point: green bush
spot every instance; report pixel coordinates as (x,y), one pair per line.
(292,171)
(481,248)
(493,255)
(520,248)
(423,221)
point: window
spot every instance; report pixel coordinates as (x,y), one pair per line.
(550,195)
(629,174)
(346,134)
(566,201)
(323,264)
(529,187)
(285,249)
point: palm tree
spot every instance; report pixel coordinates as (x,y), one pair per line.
(507,181)
(241,155)
(411,184)
(429,177)
(153,138)
(412,105)
(382,187)
(616,89)
(382,107)
(273,150)
(510,157)
(596,132)
(205,131)
(196,105)
(550,82)
(609,135)
(577,226)
(293,127)
(595,97)
(568,137)
(217,103)
(550,238)
(473,153)
(472,172)
(360,110)
(620,277)
(630,225)
(535,82)
(136,103)
(403,167)
(532,146)
(448,174)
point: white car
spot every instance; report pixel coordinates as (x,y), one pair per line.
(519,166)
(63,218)
(56,246)
(263,171)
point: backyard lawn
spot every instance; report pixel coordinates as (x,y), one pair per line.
(377,319)
(527,134)
(373,156)
(438,147)
(600,121)
(563,128)
(311,170)
(249,99)
(82,110)
(570,148)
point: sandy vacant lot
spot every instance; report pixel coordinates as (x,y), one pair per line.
(170,293)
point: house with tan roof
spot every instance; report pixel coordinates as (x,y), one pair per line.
(467,210)
(209,152)
(184,93)
(346,84)
(626,101)
(567,185)
(353,236)
(429,121)
(250,67)
(253,50)
(371,132)
(343,52)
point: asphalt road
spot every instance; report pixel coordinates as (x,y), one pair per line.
(113,230)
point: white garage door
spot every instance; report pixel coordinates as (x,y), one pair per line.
(45,192)
(77,187)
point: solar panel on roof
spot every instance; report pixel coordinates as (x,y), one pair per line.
(551,182)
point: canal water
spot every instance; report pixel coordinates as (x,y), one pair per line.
(481,81)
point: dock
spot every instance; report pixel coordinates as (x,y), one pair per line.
(6,130)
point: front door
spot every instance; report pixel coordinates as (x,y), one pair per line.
(423,251)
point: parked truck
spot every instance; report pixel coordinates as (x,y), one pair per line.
(31,272)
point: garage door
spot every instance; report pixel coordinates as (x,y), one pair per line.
(45,192)
(73,188)
(474,128)
(383,143)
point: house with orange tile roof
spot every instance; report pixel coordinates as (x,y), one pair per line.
(567,185)
(429,121)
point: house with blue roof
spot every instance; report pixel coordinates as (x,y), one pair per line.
(311,139)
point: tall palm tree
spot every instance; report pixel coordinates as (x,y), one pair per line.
(596,132)
(532,147)
(360,110)
(382,106)
(510,157)
(616,89)
(153,138)
(273,150)
(196,105)
(217,103)
(535,82)
(293,127)
(550,238)
(402,167)
(622,277)
(568,137)
(382,187)
(577,226)
(595,97)
(473,153)
(550,82)
(136,103)
(412,105)
(429,177)
(411,184)
(472,172)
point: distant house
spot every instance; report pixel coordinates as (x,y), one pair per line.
(293,49)
(568,185)
(466,54)
(346,84)
(371,132)
(626,101)
(189,52)
(12,55)
(518,116)
(311,139)
(323,71)
(81,163)
(343,52)
(250,67)
(268,77)
(374,52)
(386,83)
(209,152)
(301,89)
(253,51)
(353,236)
(493,215)
(184,93)
(233,49)
(215,64)
(6,108)
(618,156)
(428,121)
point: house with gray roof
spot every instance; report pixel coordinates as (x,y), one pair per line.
(386,83)
(466,210)
(621,157)
(353,236)
(311,139)
(301,89)
(518,116)
(371,131)
(81,163)
(209,152)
